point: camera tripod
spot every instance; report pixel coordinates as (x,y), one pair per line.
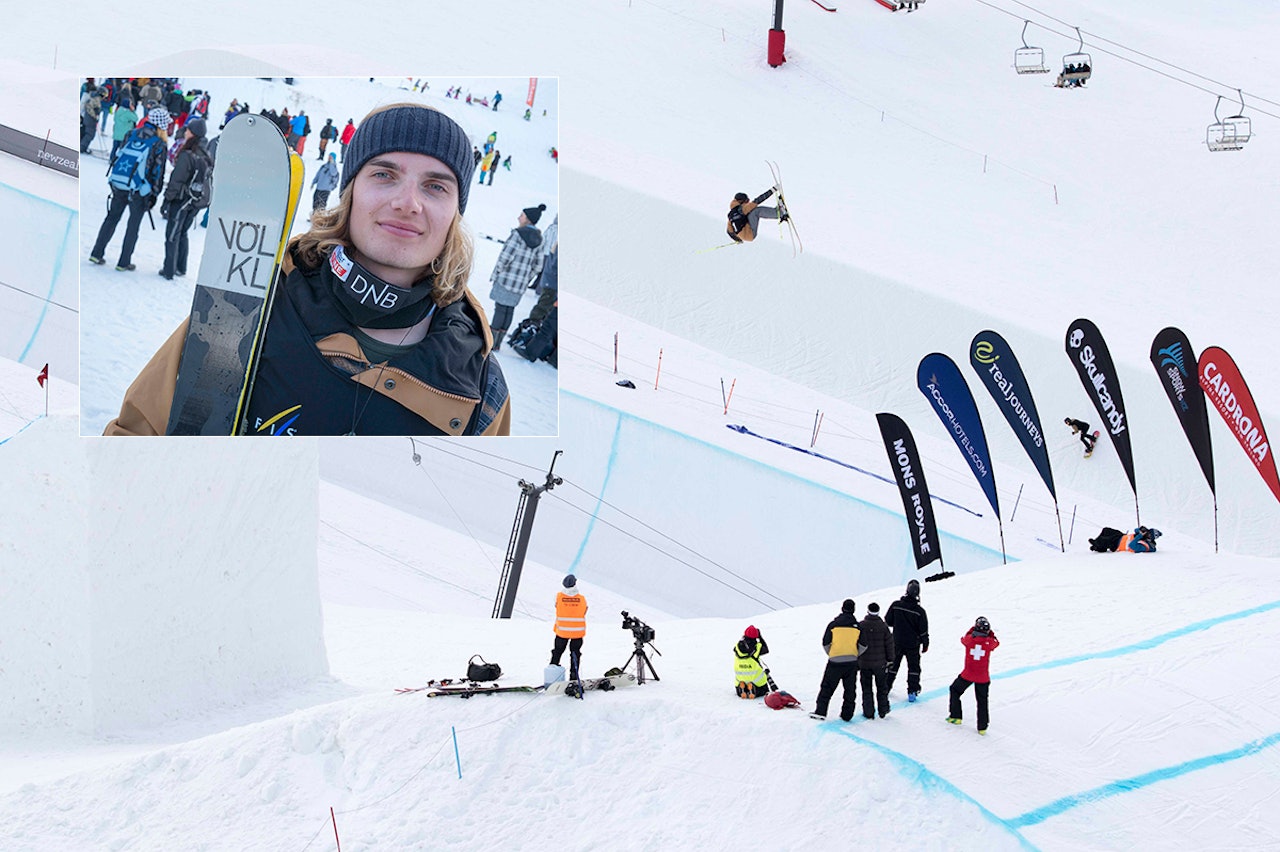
(642,660)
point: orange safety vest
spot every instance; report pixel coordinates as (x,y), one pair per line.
(571,616)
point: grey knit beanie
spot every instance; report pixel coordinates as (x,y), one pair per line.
(418,130)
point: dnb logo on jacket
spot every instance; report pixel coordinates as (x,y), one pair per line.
(279,424)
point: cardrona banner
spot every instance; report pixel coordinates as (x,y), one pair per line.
(994,362)
(1226,389)
(940,381)
(1171,352)
(909,473)
(1089,354)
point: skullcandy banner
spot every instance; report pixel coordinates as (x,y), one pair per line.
(940,381)
(993,360)
(1226,389)
(1089,354)
(909,473)
(1170,354)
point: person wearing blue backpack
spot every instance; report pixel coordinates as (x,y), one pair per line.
(136,176)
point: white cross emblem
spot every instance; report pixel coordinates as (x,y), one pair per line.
(977,652)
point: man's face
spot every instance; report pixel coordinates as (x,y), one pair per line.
(401,207)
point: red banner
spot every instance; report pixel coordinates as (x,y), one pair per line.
(1225,388)
(533,90)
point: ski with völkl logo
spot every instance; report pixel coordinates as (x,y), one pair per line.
(258,180)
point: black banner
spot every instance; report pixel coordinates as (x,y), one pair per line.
(993,360)
(905,462)
(1089,354)
(1171,352)
(33,148)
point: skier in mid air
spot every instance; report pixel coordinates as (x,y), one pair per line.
(745,215)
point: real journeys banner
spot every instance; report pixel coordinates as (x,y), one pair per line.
(907,470)
(940,381)
(1171,352)
(993,360)
(1224,385)
(1091,358)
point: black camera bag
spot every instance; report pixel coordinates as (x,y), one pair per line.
(483,671)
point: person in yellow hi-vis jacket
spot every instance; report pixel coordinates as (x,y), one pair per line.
(840,641)
(751,679)
(570,626)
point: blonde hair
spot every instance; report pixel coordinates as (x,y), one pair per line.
(450,269)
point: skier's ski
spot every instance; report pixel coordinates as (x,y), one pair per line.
(468,691)
(796,245)
(256,189)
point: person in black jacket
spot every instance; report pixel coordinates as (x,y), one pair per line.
(910,625)
(182,197)
(873,661)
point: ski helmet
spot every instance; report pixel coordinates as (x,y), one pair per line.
(982,625)
(913,589)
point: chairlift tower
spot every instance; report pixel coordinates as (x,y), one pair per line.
(518,545)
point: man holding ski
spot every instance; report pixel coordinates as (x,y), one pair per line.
(372,329)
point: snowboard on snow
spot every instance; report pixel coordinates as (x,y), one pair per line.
(589,684)
(257,182)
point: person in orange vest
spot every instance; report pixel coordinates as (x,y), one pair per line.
(1141,540)
(570,626)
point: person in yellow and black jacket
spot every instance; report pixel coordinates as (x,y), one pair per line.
(570,626)
(745,215)
(752,681)
(840,641)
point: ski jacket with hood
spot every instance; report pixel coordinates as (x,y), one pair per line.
(314,367)
(977,655)
(517,266)
(876,641)
(840,640)
(910,623)
(747,667)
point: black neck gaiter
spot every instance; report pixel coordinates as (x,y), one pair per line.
(369,302)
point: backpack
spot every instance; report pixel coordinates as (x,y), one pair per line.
(129,172)
(483,670)
(200,189)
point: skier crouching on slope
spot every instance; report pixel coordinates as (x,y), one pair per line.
(745,215)
(415,363)
(748,671)
(978,643)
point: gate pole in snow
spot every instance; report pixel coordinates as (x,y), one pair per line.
(777,38)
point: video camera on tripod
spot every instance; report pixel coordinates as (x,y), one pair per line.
(644,635)
(640,630)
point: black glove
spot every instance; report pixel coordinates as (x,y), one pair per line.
(151,201)
(762,196)
(924,649)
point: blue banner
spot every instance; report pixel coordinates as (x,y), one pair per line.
(940,381)
(993,360)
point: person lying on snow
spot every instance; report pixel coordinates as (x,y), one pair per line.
(1141,540)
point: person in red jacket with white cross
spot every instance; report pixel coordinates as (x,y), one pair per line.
(978,643)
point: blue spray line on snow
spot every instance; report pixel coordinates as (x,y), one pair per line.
(930,780)
(53,282)
(608,473)
(1137,782)
(1115,788)
(4,441)
(745,431)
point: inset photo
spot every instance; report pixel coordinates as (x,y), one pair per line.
(318,256)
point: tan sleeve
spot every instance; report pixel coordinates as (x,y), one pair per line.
(501,424)
(145,410)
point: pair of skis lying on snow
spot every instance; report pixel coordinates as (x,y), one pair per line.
(468,688)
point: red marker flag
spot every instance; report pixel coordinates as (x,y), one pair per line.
(44,375)
(1225,388)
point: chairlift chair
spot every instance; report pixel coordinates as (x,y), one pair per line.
(1026,59)
(1228,134)
(1080,61)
